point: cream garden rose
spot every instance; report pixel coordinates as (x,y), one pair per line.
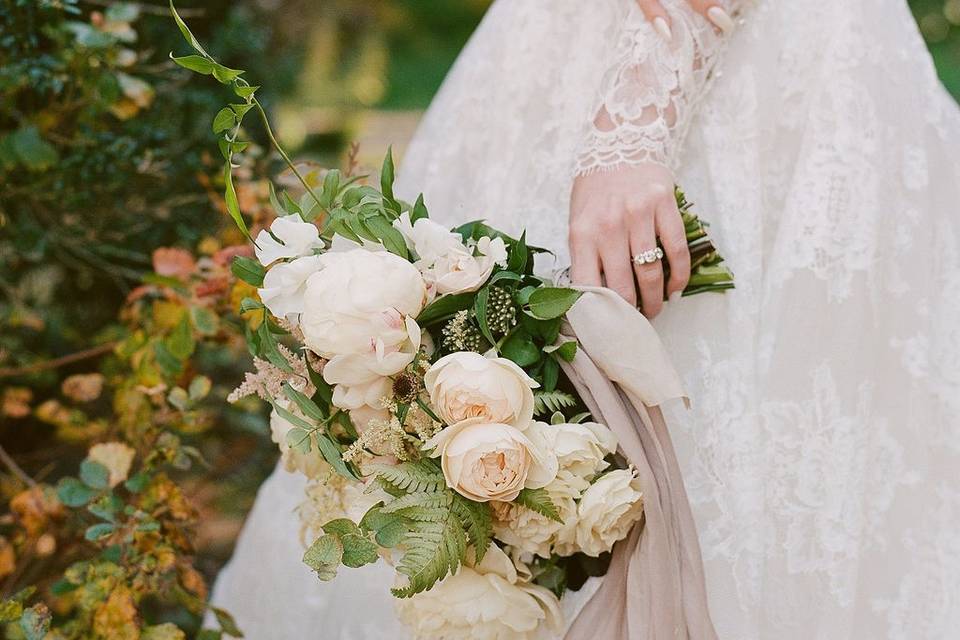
(607,511)
(284,286)
(466,385)
(486,601)
(486,461)
(580,448)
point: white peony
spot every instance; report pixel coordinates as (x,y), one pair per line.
(530,532)
(580,448)
(483,602)
(284,286)
(467,385)
(359,303)
(289,237)
(448,265)
(309,464)
(488,461)
(607,511)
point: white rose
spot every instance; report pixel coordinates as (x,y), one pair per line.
(289,237)
(359,303)
(466,385)
(580,448)
(309,464)
(284,286)
(488,461)
(447,264)
(530,532)
(483,602)
(607,511)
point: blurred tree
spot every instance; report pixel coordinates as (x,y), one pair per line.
(939,22)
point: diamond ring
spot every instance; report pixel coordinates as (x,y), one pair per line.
(648,257)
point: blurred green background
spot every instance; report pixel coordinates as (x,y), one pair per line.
(106,154)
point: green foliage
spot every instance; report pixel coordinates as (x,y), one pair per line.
(539,500)
(547,402)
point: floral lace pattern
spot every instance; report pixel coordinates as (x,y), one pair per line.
(648,95)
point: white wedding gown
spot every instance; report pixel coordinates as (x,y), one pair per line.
(822,453)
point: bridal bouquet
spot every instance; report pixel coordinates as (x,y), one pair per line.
(416,378)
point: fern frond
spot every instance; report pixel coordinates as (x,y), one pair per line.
(425,514)
(439,500)
(411,477)
(539,500)
(476,519)
(433,550)
(547,402)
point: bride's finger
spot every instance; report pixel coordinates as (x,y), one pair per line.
(657,16)
(715,13)
(617,274)
(649,275)
(584,263)
(674,239)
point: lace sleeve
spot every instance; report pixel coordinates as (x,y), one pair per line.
(648,96)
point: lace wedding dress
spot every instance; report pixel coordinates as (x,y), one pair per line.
(822,453)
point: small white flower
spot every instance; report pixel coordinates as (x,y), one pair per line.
(296,239)
(447,264)
(284,286)
(486,601)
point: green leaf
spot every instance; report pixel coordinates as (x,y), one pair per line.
(245,91)
(539,500)
(180,342)
(517,261)
(98,531)
(268,348)
(433,550)
(225,75)
(565,350)
(106,507)
(547,303)
(386,180)
(342,527)
(477,520)
(444,307)
(248,270)
(224,120)
(299,439)
(33,152)
(305,404)
(195,63)
(204,320)
(94,474)
(551,374)
(546,402)
(334,457)
(413,501)
(74,493)
(411,477)
(480,311)
(419,210)
(233,205)
(358,551)
(520,348)
(324,556)
(138,482)
(187,34)
(389,237)
(199,388)
(226,622)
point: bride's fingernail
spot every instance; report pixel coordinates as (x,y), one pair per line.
(676,295)
(720,18)
(662,28)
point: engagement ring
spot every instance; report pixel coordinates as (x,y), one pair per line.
(648,257)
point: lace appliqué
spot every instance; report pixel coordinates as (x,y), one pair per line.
(649,95)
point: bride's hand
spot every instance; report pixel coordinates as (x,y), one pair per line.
(710,9)
(617,214)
